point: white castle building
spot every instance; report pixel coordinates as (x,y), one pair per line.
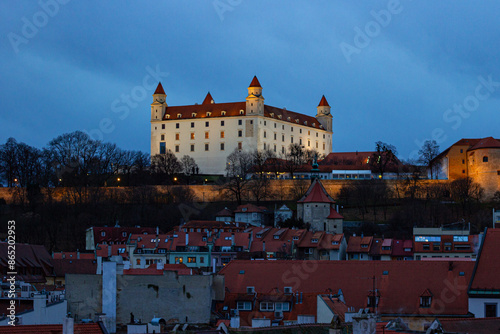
(210,131)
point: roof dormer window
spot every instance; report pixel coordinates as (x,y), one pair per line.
(314,124)
(279,116)
(321,126)
(209,113)
(314,241)
(167,116)
(271,114)
(193,114)
(223,113)
(179,115)
(295,238)
(296,120)
(305,122)
(241,112)
(288,119)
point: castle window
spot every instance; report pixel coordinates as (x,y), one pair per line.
(163,126)
(192,147)
(463,161)
(223,113)
(241,112)
(206,135)
(308,133)
(316,144)
(289,119)
(461,151)
(291,139)
(265,123)
(206,147)
(177,136)
(282,137)
(323,136)
(274,148)
(206,124)
(162,137)
(209,114)
(192,124)
(222,134)
(176,125)
(291,128)
(240,122)
(305,122)
(463,171)
(485,159)
(167,116)
(193,114)
(240,133)
(222,146)
(240,145)
(309,143)
(296,120)
(283,149)
(275,125)
(179,115)
(275,136)
(265,134)
(163,148)
(316,132)
(271,114)
(221,123)
(300,130)
(314,124)
(264,146)
(323,146)
(177,148)
(283,127)
(192,135)
(300,141)
(279,116)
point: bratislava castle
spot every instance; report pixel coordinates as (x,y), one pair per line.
(209,132)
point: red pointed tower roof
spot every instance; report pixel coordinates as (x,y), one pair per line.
(255,82)
(323,102)
(316,194)
(208,99)
(159,89)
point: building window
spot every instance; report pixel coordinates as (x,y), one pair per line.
(309,143)
(163,126)
(485,159)
(223,113)
(291,139)
(177,148)
(244,306)
(191,259)
(265,134)
(274,148)
(176,125)
(192,124)
(103,234)
(275,136)
(265,123)
(177,136)
(275,125)
(323,146)
(490,310)
(222,134)
(192,135)
(179,260)
(264,146)
(266,306)
(163,148)
(323,136)
(372,301)
(240,122)
(300,141)
(463,171)
(461,151)
(222,146)
(251,121)
(206,124)
(240,133)
(206,147)
(316,144)
(162,137)
(425,301)
(206,135)
(463,161)
(193,114)
(192,147)
(283,149)
(282,137)
(291,128)
(240,146)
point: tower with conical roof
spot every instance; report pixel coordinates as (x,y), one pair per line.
(255,100)
(159,105)
(324,116)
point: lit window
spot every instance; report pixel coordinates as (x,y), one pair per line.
(177,136)
(179,115)
(239,146)
(191,259)
(206,135)
(179,260)
(222,134)
(192,135)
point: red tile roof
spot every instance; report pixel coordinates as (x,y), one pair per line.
(323,102)
(355,242)
(334,214)
(316,194)
(118,234)
(224,213)
(116,249)
(255,82)
(336,306)
(208,99)
(488,142)
(30,258)
(471,326)
(486,274)
(399,246)
(398,293)
(93,328)
(159,89)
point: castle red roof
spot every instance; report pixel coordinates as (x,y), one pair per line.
(208,99)
(255,82)
(334,214)
(323,102)
(159,89)
(488,142)
(316,194)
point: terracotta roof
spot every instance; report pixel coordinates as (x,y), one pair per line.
(159,89)
(74,266)
(488,142)
(247,208)
(31,258)
(323,102)
(208,99)
(273,112)
(255,82)
(224,213)
(334,214)
(316,194)
(487,265)
(467,142)
(336,306)
(398,293)
(399,246)
(355,242)
(471,326)
(118,234)
(102,250)
(93,328)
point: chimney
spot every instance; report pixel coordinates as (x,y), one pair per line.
(187,239)
(68,325)
(40,308)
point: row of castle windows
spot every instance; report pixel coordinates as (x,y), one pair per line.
(163,148)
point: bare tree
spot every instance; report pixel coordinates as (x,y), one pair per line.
(188,166)
(466,192)
(165,164)
(383,158)
(238,166)
(295,156)
(8,161)
(429,151)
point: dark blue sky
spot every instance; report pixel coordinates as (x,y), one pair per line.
(430,69)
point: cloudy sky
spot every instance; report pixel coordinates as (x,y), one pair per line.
(396,71)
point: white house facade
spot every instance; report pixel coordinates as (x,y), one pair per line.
(210,131)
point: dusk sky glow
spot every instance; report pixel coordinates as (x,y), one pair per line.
(395,71)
